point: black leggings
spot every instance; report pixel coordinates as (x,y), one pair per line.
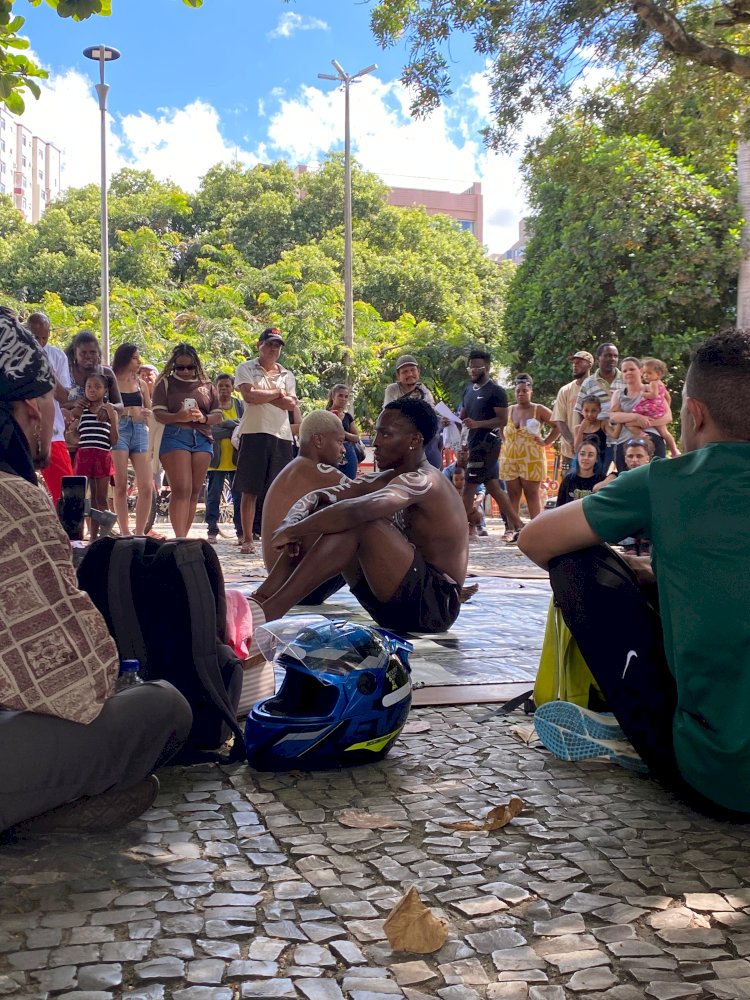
(617,626)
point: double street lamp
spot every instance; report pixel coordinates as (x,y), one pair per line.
(103,54)
(346,80)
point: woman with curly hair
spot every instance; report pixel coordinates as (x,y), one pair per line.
(187,404)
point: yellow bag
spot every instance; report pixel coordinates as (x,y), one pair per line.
(563,674)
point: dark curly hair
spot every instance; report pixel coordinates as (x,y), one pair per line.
(418,413)
(191,352)
(719,376)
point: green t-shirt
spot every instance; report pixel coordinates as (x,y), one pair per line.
(695,511)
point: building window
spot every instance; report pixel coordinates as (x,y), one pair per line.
(2,188)
(2,168)
(23,160)
(23,182)
(41,174)
(23,203)
(23,140)
(466,224)
(2,144)
(2,123)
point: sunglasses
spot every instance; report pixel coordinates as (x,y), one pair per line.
(184,368)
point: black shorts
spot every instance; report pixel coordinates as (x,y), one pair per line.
(261,459)
(482,464)
(321,593)
(426,600)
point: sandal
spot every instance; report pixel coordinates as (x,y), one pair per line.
(247,549)
(511,537)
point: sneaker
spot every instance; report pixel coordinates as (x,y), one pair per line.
(574,733)
(108,811)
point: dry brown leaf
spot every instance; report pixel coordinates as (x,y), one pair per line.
(360,819)
(495,819)
(412,926)
(524,733)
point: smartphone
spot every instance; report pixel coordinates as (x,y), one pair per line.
(188,404)
(71,507)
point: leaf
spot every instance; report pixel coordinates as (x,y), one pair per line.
(417,726)
(525,733)
(360,819)
(411,926)
(495,819)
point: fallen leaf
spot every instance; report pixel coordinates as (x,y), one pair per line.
(412,926)
(524,733)
(495,819)
(360,819)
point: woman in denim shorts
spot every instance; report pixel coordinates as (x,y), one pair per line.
(188,406)
(132,442)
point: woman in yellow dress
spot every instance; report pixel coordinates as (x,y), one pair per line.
(523,461)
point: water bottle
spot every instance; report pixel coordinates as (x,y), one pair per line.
(129,675)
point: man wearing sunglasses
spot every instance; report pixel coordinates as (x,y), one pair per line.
(270,394)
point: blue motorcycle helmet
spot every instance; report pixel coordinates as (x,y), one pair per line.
(344,698)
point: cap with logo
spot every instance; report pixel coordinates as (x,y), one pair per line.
(271,335)
(582,354)
(406,359)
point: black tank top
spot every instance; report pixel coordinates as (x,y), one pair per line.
(132,398)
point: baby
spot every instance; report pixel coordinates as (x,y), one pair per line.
(655,398)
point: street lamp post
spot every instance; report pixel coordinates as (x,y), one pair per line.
(103,54)
(345,80)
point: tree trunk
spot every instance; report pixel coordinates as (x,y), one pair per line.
(743,282)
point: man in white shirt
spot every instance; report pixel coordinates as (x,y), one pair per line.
(60,465)
(270,395)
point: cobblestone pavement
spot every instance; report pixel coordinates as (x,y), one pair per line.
(242,884)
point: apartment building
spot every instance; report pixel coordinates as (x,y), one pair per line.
(465,206)
(29,167)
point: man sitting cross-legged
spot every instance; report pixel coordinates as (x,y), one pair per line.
(398,536)
(676,673)
(321,444)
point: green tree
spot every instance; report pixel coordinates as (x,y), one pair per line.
(628,243)
(537,51)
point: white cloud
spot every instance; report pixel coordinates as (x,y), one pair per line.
(290,23)
(443,151)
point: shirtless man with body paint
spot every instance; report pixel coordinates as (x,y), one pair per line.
(397,536)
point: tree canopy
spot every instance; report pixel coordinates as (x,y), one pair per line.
(537,49)
(258,247)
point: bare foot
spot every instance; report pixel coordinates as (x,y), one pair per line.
(468,592)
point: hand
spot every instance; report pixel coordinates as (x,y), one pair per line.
(196,415)
(470,423)
(283,537)
(641,566)
(141,414)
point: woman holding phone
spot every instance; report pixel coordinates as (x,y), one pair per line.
(187,404)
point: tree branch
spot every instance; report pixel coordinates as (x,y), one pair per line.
(684,44)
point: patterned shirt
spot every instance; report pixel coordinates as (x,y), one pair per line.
(56,655)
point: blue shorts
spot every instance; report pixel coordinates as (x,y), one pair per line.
(132,436)
(180,438)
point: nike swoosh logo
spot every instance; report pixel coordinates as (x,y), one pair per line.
(628,658)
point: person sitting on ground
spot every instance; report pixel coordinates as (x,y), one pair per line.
(72,752)
(321,439)
(678,678)
(584,480)
(591,426)
(655,401)
(398,536)
(637,451)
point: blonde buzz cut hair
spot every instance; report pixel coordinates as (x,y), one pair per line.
(318,422)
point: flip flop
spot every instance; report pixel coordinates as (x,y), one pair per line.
(247,549)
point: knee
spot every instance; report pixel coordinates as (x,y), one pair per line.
(164,708)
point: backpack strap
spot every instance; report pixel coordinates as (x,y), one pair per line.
(188,557)
(128,634)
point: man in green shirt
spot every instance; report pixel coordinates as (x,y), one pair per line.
(678,678)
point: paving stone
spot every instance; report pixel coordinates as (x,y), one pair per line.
(320,989)
(487,942)
(161,968)
(458,993)
(313,954)
(271,988)
(56,980)
(591,979)
(672,991)
(570,923)
(370,984)
(508,991)
(100,977)
(469,971)
(585,902)
(348,952)
(573,961)
(546,993)
(706,902)
(409,973)
(692,935)
(125,951)
(208,971)
(203,993)
(516,959)
(249,967)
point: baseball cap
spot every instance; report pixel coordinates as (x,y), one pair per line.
(582,354)
(270,334)
(406,359)
(151,368)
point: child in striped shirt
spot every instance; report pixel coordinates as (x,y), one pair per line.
(94,433)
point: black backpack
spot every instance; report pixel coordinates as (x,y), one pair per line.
(164,605)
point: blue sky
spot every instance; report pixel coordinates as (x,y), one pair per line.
(238,79)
